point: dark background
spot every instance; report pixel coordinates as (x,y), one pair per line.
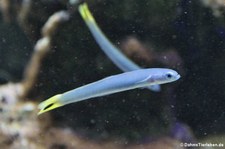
(193,30)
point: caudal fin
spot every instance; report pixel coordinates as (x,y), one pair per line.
(85,13)
(49,104)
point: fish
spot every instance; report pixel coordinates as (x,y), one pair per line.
(116,56)
(113,84)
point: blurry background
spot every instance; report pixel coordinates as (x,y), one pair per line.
(185,35)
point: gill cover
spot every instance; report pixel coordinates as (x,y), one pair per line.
(49,104)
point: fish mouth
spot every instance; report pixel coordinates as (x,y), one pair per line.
(178,76)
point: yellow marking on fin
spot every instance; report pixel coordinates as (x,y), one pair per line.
(49,104)
(85,12)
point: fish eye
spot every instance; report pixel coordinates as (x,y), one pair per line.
(169,75)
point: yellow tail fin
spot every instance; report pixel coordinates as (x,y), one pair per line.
(85,13)
(49,104)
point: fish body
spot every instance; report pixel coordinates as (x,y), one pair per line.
(117,57)
(109,85)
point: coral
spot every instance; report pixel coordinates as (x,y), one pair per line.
(5,9)
(20,125)
(217,6)
(42,48)
(144,53)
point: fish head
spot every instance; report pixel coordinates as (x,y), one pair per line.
(162,76)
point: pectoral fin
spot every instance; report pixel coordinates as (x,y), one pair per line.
(144,80)
(156,88)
